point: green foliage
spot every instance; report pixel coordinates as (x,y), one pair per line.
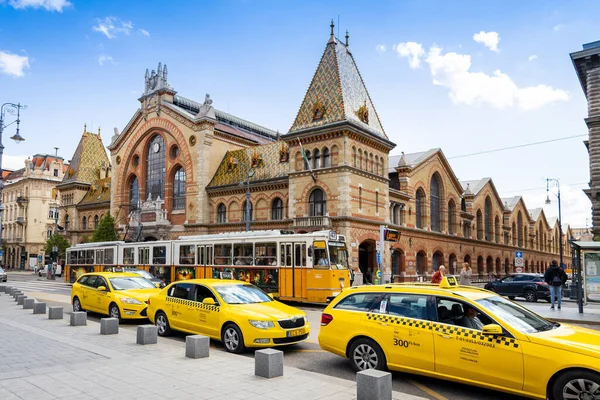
(58,241)
(106,230)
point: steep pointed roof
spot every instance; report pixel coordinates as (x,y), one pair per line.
(475,185)
(89,157)
(411,159)
(338,90)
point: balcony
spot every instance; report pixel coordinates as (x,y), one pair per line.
(312,222)
(21,200)
(21,220)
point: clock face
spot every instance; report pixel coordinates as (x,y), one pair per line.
(156,147)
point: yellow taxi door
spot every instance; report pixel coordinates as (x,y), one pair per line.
(178,298)
(468,354)
(205,318)
(404,332)
(83,291)
(103,298)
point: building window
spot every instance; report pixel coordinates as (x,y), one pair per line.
(360,158)
(520,229)
(317,159)
(221,214)
(360,198)
(451,217)
(67,222)
(377,202)
(317,204)
(277,209)
(487,219)
(134,194)
(245,212)
(307,160)
(435,203)
(371,163)
(96,221)
(354,157)
(179,190)
(326,158)
(174,152)
(84,223)
(155,168)
(55,172)
(420,205)
(479,217)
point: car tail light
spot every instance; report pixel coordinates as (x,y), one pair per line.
(326,319)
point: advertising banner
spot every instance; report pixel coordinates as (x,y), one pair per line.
(591,270)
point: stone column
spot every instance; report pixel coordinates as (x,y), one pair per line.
(593,123)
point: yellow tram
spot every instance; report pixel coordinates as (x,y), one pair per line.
(310,267)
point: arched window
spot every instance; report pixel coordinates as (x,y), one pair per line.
(317,159)
(371,164)
(277,209)
(245,212)
(326,158)
(96,221)
(479,217)
(498,228)
(307,160)
(155,168)
(67,222)
(382,166)
(317,203)
(360,159)
(451,217)
(221,214)
(487,219)
(134,194)
(360,198)
(520,229)
(435,197)
(179,189)
(463,205)
(420,205)
(84,223)
(354,155)
(421,263)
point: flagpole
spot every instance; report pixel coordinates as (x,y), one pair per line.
(306,161)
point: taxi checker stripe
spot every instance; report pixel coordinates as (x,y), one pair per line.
(195,304)
(449,329)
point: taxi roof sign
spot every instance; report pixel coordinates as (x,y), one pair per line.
(448,282)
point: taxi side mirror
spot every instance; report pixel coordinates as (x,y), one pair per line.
(270,295)
(158,285)
(492,329)
(102,288)
(209,301)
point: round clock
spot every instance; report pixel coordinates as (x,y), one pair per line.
(156,147)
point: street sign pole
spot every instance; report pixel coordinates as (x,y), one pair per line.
(381,252)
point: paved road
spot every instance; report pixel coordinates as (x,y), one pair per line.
(307,356)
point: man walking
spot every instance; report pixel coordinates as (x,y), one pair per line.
(555,277)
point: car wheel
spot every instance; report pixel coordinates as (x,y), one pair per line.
(577,384)
(530,296)
(366,354)
(511,297)
(162,324)
(233,339)
(114,311)
(77,305)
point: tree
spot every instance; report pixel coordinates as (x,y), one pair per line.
(58,241)
(106,230)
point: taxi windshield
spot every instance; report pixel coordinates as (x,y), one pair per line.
(338,255)
(515,315)
(131,282)
(143,273)
(242,294)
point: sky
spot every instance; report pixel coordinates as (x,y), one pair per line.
(464,76)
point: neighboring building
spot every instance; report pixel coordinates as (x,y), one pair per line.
(85,189)
(587,66)
(183,168)
(30,202)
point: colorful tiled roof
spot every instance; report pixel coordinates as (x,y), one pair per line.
(264,160)
(339,92)
(89,157)
(99,192)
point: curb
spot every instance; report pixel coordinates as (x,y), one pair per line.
(576,321)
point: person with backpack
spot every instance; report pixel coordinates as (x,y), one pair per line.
(555,277)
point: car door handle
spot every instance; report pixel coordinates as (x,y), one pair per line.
(382,323)
(443,335)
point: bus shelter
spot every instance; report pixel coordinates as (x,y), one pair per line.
(586,271)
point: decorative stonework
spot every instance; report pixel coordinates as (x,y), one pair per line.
(363,113)
(118,161)
(318,110)
(192,140)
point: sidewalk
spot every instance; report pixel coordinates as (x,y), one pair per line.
(48,359)
(569,312)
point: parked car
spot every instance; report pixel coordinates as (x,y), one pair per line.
(157,282)
(3,275)
(528,285)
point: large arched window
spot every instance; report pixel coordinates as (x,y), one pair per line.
(277,209)
(326,158)
(179,189)
(96,221)
(371,163)
(317,203)
(435,195)
(317,159)
(420,205)
(155,168)
(498,227)
(451,217)
(354,155)
(134,194)
(520,229)
(67,222)
(487,219)
(84,223)
(221,214)
(245,212)
(307,160)
(479,217)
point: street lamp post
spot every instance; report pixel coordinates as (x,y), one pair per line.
(548,180)
(249,174)
(10,108)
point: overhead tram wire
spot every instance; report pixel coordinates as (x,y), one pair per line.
(516,147)
(544,187)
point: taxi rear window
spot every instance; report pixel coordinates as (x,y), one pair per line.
(360,302)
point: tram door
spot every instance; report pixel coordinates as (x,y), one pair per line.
(205,256)
(299,268)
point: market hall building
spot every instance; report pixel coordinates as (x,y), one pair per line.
(178,166)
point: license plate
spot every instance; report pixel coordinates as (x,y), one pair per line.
(296,332)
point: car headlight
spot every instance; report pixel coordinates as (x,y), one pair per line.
(262,324)
(129,300)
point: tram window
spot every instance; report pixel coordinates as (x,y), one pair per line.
(243,254)
(265,253)
(128,255)
(282,255)
(71,256)
(320,259)
(201,255)
(303,255)
(222,254)
(187,254)
(288,255)
(298,254)
(89,257)
(109,256)
(81,257)
(159,255)
(99,257)
(144,255)
(209,255)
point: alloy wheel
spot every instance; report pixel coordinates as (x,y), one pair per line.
(161,324)
(114,312)
(232,340)
(581,389)
(76,305)
(365,357)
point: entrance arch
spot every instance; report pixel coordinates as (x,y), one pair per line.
(437,260)
(421,263)
(480,267)
(489,265)
(453,264)
(526,265)
(367,259)
(506,266)
(498,269)
(467,259)
(398,266)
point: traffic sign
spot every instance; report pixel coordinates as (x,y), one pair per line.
(390,235)
(519,270)
(1,253)
(377,245)
(518,262)
(518,254)
(378,258)
(378,274)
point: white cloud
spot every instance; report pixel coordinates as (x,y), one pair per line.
(13,162)
(13,64)
(380,48)
(144,32)
(532,57)
(102,59)
(49,5)
(576,206)
(112,26)
(558,27)
(488,39)
(411,50)
(453,71)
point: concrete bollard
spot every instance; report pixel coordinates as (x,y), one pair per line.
(3,288)
(10,290)
(39,308)
(197,346)
(372,384)
(78,318)
(28,304)
(55,312)
(16,293)
(268,363)
(147,334)
(109,326)
(20,299)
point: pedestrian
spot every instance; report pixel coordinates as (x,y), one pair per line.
(351,276)
(465,275)
(439,275)
(555,277)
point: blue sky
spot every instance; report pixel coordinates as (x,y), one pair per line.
(433,85)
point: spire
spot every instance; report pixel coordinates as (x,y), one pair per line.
(84,128)
(332,36)
(403,162)
(98,131)
(468,190)
(165,73)
(159,70)
(347,37)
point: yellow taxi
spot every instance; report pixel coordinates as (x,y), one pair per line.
(463,334)
(120,295)
(237,313)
